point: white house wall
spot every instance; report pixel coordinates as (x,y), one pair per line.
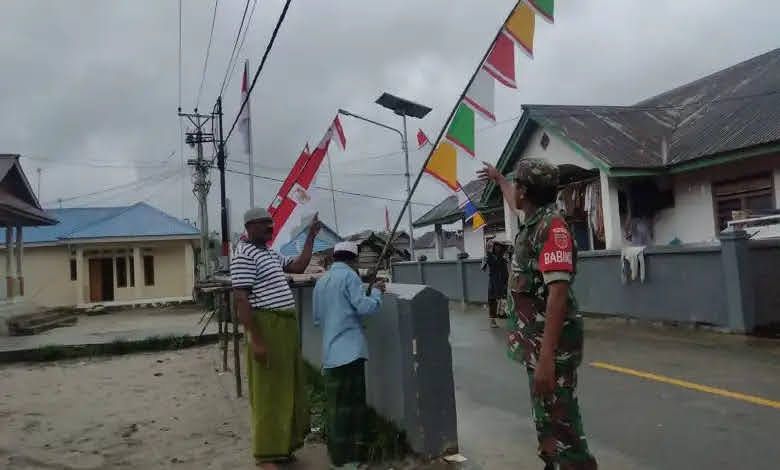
(473,241)
(692,219)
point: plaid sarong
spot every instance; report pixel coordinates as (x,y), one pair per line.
(345,388)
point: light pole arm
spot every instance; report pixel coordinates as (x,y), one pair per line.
(357,116)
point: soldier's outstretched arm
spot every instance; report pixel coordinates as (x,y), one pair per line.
(489,172)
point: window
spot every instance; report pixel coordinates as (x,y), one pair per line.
(754,194)
(131,264)
(149,270)
(121,272)
(73,270)
(545,141)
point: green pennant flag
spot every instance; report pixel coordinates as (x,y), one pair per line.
(546,8)
(461,131)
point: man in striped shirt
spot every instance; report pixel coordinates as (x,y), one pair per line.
(266,308)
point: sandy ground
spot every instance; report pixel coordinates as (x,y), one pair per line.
(145,411)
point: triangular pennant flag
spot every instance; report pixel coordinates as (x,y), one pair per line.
(477,222)
(520,27)
(481,96)
(546,8)
(443,165)
(501,61)
(422,139)
(338,133)
(461,131)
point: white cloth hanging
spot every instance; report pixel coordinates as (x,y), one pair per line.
(632,263)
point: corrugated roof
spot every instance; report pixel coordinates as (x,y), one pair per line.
(735,108)
(18,198)
(138,220)
(428,240)
(447,211)
(325,239)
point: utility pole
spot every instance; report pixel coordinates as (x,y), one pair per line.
(38,170)
(201,182)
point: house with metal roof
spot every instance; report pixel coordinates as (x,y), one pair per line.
(676,168)
(447,212)
(110,256)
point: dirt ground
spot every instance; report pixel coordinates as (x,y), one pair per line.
(145,411)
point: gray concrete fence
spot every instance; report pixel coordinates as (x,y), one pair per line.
(733,285)
(409,377)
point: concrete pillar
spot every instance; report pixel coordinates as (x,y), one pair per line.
(138,267)
(19,259)
(189,270)
(439,242)
(421,271)
(80,276)
(740,299)
(510,221)
(461,280)
(777,187)
(611,209)
(9,265)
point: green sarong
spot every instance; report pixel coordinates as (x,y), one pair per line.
(277,392)
(345,388)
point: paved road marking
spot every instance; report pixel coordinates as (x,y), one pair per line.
(690,385)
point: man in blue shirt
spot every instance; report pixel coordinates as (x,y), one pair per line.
(340,303)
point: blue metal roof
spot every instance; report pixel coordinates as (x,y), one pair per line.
(325,240)
(138,220)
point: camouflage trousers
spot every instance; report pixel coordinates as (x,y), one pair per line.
(557,418)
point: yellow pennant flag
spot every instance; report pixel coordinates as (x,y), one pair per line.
(477,222)
(520,27)
(443,165)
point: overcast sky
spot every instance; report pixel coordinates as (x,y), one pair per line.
(89,88)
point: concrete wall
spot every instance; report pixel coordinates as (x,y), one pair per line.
(692,219)
(450,252)
(736,289)
(681,284)
(47,281)
(409,376)
(765,263)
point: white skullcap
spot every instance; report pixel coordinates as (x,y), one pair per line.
(349,247)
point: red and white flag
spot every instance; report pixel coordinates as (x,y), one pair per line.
(338,133)
(422,139)
(245,121)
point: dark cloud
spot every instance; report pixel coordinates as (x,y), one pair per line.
(91,81)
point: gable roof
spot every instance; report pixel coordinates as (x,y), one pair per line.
(325,239)
(450,239)
(735,109)
(17,199)
(447,211)
(138,220)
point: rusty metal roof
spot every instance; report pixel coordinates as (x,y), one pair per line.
(447,211)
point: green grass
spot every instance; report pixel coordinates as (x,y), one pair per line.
(385,441)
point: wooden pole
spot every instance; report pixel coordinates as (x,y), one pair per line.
(433,148)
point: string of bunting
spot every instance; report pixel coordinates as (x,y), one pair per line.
(479,100)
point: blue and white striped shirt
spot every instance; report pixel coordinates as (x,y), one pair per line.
(261,270)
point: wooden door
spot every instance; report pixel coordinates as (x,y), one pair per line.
(95,280)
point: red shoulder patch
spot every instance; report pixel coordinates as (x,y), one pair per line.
(557,251)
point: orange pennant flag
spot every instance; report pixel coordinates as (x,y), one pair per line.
(443,165)
(520,27)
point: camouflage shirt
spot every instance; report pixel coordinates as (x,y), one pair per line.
(544,252)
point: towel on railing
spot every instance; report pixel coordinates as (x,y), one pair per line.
(632,262)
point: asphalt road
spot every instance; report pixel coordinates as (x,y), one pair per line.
(657,398)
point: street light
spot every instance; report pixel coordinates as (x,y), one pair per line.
(402,108)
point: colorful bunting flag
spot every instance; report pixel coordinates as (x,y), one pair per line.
(461,131)
(422,139)
(520,27)
(470,211)
(443,165)
(501,61)
(546,8)
(481,96)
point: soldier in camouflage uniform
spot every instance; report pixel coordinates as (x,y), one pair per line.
(545,327)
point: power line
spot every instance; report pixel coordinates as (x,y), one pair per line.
(208,52)
(324,188)
(131,184)
(259,68)
(372,174)
(231,67)
(103,163)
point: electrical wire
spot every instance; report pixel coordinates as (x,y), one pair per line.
(234,54)
(260,67)
(324,188)
(231,69)
(105,163)
(208,52)
(131,184)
